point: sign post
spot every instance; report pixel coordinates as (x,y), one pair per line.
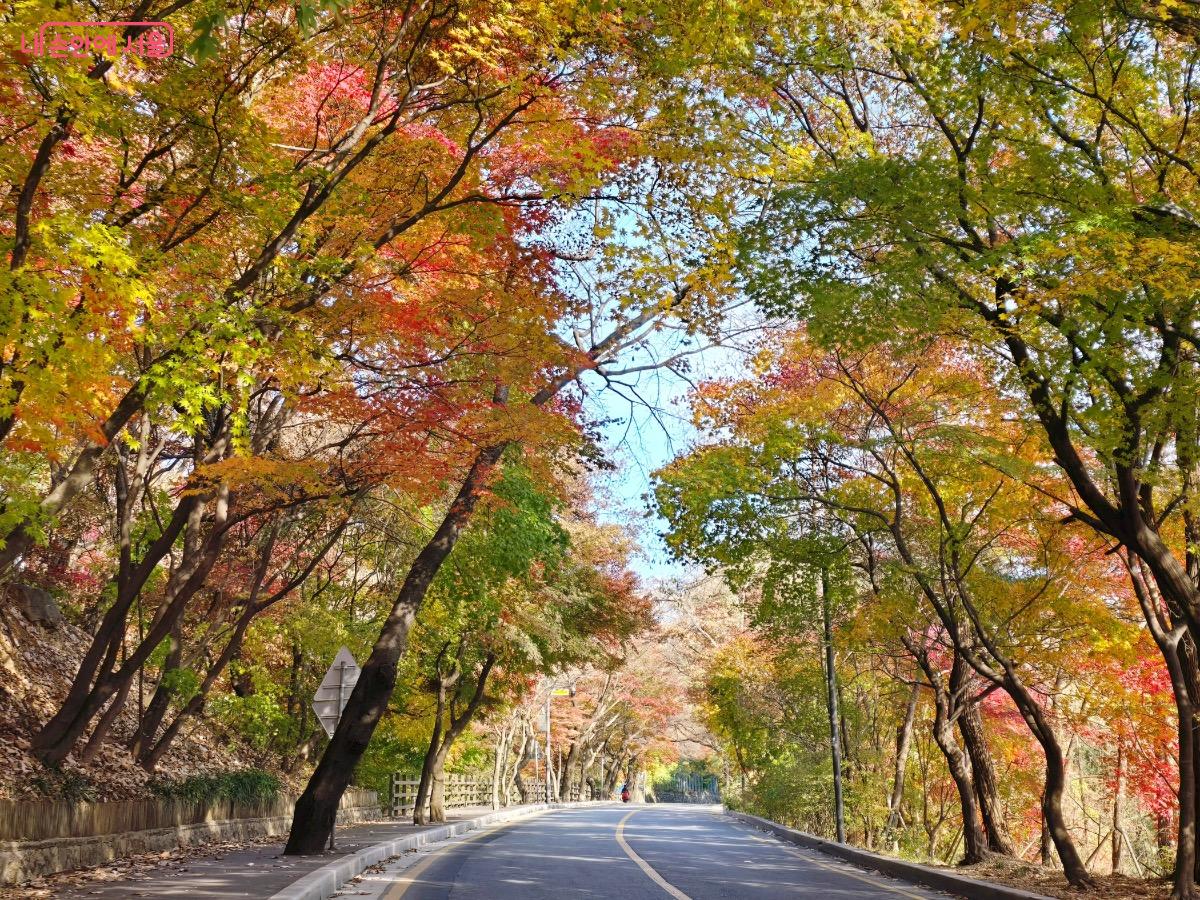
(330,699)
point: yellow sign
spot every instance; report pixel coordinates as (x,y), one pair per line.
(561,692)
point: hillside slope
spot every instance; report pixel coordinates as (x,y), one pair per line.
(36,666)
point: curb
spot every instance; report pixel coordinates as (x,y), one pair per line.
(322,883)
(888,865)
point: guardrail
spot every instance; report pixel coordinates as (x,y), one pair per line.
(688,789)
(466,790)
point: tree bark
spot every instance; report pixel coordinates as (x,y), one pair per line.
(946,702)
(499,765)
(96,740)
(1118,791)
(970,725)
(1169,643)
(566,782)
(437,792)
(831,704)
(425,786)
(903,742)
(160,701)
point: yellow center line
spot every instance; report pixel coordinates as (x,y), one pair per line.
(839,870)
(410,875)
(645,866)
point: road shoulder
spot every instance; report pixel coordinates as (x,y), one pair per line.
(914,873)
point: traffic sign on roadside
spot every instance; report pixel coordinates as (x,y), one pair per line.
(331,696)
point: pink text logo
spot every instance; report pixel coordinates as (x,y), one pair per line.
(81,40)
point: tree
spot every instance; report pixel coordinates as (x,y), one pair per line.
(997,187)
(905,469)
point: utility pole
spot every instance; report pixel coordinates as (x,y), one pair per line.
(831,701)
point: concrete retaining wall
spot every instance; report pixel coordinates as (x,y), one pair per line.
(22,861)
(937,879)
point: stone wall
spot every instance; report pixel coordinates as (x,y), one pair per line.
(41,838)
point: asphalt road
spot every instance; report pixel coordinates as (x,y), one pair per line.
(627,853)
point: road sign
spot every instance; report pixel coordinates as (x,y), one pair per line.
(561,692)
(335,689)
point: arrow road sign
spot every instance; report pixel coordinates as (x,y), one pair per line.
(335,689)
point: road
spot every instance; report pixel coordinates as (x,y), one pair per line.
(627,853)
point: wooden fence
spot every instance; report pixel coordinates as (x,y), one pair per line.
(463,790)
(42,820)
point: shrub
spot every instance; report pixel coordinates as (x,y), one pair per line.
(246,786)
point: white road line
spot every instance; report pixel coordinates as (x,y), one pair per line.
(645,866)
(411,874)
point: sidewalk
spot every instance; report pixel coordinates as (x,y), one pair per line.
(254,872)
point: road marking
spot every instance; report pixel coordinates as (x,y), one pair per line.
(840,871)
(409,876)
(645,866)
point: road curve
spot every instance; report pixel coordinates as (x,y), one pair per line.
(630,853)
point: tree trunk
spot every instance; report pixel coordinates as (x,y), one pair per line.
(903,741)
(104,726)
(1043,732)
(1045,842)
(70,728)
(58,736)
(1169,643)
(314,815)
(946,709)
(437,790)
(831,704)
(499,765)
(970,724)
(1056,778)
(1118,791)
(99,678)
(610,783)
(21,536)
(428,767)
(633,775)
(160,701)
(153,754)
(524,757)
(959,765)
(567,780)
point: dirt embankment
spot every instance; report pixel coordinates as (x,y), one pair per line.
(37,664)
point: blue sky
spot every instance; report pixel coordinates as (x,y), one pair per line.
(647,432)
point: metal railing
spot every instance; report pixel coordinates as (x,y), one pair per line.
(465,790)
(688,789)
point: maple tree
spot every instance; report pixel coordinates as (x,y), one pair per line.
(300,325)
(346,271)
(872,476)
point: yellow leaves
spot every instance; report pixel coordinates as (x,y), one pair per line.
(272,478)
